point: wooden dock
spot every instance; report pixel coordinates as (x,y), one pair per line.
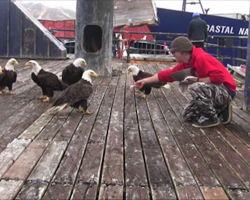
(129,148)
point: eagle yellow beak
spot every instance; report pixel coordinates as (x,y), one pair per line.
(84,63)
(1,70)
(94,74)
(128,72)
(27,64)
(16,63)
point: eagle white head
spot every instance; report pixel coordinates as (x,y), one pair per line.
(79,62)
(11,64)
(88,74)
(133,69)
(35,66)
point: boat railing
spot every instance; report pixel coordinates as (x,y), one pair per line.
(224,48)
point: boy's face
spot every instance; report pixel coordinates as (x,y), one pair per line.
(178,56)
(181,56)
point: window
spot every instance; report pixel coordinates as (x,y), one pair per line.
(92,41)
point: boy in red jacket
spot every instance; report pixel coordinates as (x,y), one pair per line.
(212,90)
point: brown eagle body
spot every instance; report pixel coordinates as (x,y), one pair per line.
(75,95)
(147,88)
(48,82)
(72,74)
(7,78)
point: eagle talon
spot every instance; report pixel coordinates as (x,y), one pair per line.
(12,93)
(1,92)
(80,109)
(42,97)
(143,96)
(88,112)
(46,100)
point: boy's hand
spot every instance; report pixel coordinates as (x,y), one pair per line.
(139,84)
(190,80)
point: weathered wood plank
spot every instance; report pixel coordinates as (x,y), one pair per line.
(26,162)
(234,142)
(231,157)
(239,132)
(242,114)
(113,171)
(32,190)
(111,192)
(91,165)
(34,129)
(242,123)
(239,194)
(214,193)
(57,192)
(11,153)
(178,168)
(21,121)
(9,189)
(72,158)
(48,164)
(85,192)
(185,182)
(67,130)
(159,177)
(52,128)
(189,192)
(137,193)
(135,172)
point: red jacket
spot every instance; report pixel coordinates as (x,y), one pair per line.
(205,66)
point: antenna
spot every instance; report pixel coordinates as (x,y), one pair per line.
(185,2)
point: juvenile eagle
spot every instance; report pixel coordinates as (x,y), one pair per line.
(73,72)
(48,81)
(139,74)
(8,75)
(76,95)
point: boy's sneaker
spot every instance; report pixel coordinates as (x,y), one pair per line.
(226,115)
(206,123)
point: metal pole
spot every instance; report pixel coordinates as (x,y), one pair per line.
(184,5)
(247,77)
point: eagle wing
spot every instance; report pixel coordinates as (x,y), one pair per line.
(10,77)
(49,79)
(2,75)
(142,75)
(74,93)
(64,74)
(35,79)
(72,74)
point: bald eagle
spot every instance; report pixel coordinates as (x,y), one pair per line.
(47,81)
(139,74)
(8,75)
(73,72)
(76,95)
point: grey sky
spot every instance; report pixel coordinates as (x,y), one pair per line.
(216,6)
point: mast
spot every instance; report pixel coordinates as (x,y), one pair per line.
(185,2)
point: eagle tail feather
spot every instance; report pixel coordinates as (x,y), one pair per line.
(167,86)
(56,109)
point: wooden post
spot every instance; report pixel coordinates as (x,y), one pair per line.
(94,30)
(247,77)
